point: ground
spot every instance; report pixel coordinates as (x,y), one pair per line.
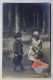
(7,68)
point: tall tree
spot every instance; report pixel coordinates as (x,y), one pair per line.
(44,22)
(16,19)
(38,25)
(10,19)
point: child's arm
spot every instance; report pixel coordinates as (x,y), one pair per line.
(40,46)
(19,48)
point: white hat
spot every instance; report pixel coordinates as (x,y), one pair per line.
(36,33)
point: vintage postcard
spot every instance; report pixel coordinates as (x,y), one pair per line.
(26,50)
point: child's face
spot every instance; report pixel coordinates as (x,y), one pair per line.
(19,38)
(35,38)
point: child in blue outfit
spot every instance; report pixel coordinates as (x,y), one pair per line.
(18,51)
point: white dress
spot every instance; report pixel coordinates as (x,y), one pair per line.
(34,44)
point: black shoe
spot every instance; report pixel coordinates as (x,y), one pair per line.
(22,69)
(15,69)
(31,69)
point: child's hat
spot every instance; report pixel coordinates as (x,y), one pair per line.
(17,35)
(36,33)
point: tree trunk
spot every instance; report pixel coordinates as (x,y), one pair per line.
(16,19)
(23,18)
(9,19)
(44,24)
(34,17)
(37,20)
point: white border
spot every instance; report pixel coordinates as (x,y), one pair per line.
(1,25)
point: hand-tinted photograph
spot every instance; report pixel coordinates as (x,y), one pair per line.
(26,50)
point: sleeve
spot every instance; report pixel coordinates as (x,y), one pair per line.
(16,46)
(19,48)
(40,45)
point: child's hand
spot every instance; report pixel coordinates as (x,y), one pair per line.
(37,51)
(36,56)
(33,52)
(16,55)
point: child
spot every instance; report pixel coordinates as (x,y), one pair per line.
(36,46)
(18,51)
